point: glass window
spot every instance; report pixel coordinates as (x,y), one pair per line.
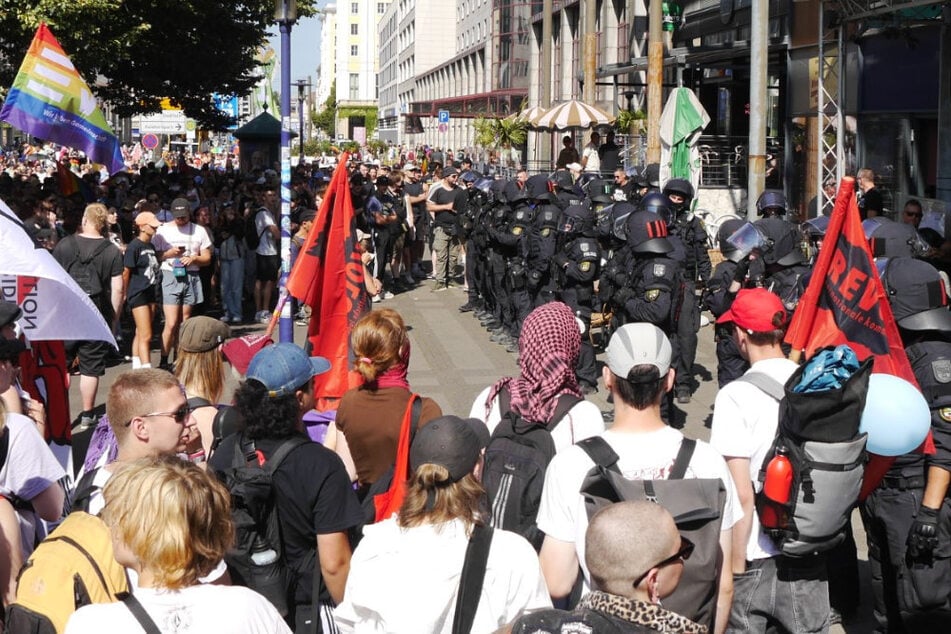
(354,50)
(354,29)
(354,7)
(380,7)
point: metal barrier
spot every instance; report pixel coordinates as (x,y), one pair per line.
(723,161)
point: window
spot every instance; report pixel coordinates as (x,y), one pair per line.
(354,7)
(354,50)
(354,29)
(354,86)
(380,8)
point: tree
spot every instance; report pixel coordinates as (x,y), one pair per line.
(134,53)
(324,120)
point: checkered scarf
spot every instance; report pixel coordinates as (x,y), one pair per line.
(548,351)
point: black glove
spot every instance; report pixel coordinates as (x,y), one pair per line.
(923,536)
(560,259)
(622,295)
(742,268)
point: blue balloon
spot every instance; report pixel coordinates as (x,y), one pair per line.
(896,416)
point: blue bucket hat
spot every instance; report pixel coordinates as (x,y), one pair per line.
(284,367)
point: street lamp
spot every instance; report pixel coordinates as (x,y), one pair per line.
(285,14)
(301,84)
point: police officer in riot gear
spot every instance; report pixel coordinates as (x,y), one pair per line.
(474,230)
(543,240)
(576,266)
(690,231)
(718,298)
(906,517)
(512,241)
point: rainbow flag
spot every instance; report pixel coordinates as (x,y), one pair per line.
(50,100)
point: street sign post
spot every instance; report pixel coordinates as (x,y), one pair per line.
(444,116)
(150,141)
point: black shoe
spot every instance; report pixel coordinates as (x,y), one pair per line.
(468,307)
(492,325)
(498,336)
(487,318)
(683,395)
(512,347)
(481,313)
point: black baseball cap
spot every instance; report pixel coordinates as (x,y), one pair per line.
(9,313)
(917,295)
(452,442)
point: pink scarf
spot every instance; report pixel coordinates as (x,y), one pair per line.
(395,375)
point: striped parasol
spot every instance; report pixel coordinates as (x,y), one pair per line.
(572,114)
(531,114)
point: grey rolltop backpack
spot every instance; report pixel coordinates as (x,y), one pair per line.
(819,434)
(696,505)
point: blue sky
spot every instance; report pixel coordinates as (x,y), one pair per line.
(305,49)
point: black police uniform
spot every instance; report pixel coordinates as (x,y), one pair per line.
(718,299)
(697,269)
(543,244)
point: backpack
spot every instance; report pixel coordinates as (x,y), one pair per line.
(696,505)
(516,458)
(257,559)
(73,567)
(80,270)
(252,237)
(818,432)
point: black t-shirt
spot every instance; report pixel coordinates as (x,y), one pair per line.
(871,201)
(140,258)
(103,267)
(314,497)
(442,196)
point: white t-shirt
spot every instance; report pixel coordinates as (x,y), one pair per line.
(30,468)
(643,456)
(193,237)
(262,221)
(193,610)
(590,152)
(406,580)
(744,426)
(582,421)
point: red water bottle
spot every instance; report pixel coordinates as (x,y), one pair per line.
(779,476)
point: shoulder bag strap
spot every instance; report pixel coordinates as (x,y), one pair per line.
(285,448)
(140,614)
(4,445)
(682,460)
(565,403)
(416,404)
(600,452)
(765,383)
(472,579)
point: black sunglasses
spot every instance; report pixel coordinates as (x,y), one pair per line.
(683,554)
(180,415)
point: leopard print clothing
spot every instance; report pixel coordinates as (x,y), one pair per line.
(640,612)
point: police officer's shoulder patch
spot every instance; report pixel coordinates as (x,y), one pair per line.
(584,246)
(941,368)
(652,294)
(660,270)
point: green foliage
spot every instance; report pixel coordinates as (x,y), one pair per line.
(324,119)
(378,147)
(369,114)
(630,121)
(500,133)
(133,53)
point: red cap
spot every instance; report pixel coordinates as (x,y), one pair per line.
(753,310)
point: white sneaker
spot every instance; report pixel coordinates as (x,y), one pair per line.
(225,318)
(387,295)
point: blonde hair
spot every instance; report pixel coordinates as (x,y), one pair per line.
(432,499)
(96,215)
(202,373)
(377,339)
(133,394)
(174,517)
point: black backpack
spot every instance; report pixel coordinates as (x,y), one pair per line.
(80,270)
(819,434)
(252,237)
(257,559)
(515,462)
(696,505)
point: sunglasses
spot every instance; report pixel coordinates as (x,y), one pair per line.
(180,415)
(682,555)
(913,215)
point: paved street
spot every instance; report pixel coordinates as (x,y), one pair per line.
(453,360)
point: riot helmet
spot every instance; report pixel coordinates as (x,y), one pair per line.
(890,239)
(647,233)
(681,188)
(917,294)
(728,249)
(656,203)
(772,202)
(515,195)
(784,244)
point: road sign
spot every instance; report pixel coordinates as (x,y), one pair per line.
(168,122)
(150,141)
(443,128)
(443,116)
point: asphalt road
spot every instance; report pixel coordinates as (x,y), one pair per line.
(453,360)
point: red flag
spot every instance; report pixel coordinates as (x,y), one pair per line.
(328,277)
(846,303)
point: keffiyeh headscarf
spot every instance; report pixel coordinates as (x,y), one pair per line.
(548,351)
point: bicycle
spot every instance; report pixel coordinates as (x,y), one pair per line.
(712,223)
